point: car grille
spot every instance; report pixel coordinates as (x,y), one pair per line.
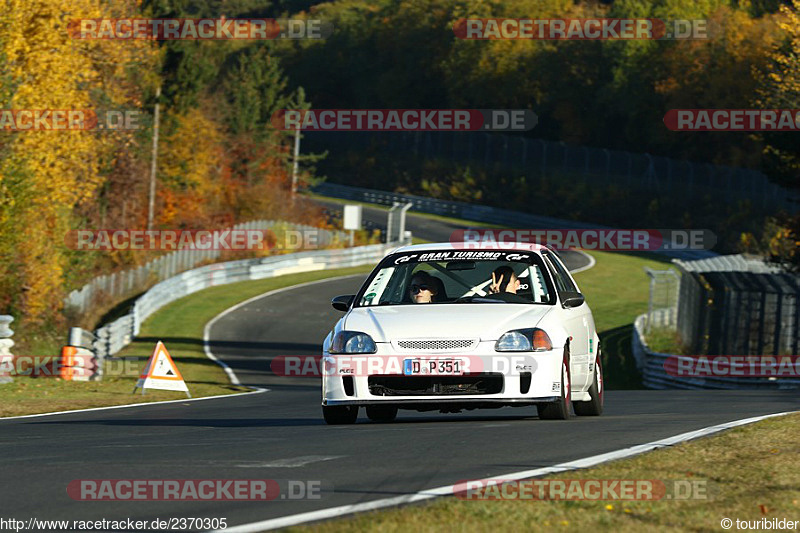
(476,383)
(436,345)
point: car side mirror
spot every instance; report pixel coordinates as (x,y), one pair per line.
(343,302)
(572,299)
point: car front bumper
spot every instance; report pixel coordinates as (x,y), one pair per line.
(492,380)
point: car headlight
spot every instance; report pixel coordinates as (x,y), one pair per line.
(524,340)
(352,342)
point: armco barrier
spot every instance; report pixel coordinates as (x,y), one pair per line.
(654,376)
(477,213)
(126,283)
(111,338)
(5,347)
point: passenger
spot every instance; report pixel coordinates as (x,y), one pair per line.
(423,288)
(505,285)
(504,280)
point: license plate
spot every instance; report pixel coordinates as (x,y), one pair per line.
(436,367)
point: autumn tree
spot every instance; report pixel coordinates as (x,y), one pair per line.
(781,89)
(45,175)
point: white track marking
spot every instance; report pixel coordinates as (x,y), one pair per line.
(142,404)
(207,329)
(449,490)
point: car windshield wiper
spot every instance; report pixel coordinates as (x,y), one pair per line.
(479,299)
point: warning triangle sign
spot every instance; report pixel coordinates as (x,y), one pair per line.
(161,373)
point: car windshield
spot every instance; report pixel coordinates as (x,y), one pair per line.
(458,277)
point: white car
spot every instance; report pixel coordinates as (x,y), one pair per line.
(447,327)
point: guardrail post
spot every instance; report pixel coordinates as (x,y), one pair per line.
(403,211)
(397,219)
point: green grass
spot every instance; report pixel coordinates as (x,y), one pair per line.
(750,473)
(180,324)
(665,340)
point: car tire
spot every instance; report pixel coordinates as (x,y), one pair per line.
(381,413)
(593,407)
(562,408)
(340,414)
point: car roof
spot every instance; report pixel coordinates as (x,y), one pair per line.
(503,246)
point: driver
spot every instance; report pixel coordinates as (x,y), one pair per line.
(423,288)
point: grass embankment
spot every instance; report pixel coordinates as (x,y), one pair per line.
(749,473)
(180,324)
(665,340)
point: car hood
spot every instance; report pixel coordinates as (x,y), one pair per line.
(485,321)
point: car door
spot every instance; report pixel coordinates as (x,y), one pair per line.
(577,321)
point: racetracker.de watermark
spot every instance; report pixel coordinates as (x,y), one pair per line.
(68,119)
(733,119)
(210,29)
(361,365)
(582,489)
(196,489)
(589,29)
(752,366)
(171,240)
(588,239)
(404,119)
(44,366)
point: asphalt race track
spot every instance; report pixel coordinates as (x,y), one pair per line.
(280,434)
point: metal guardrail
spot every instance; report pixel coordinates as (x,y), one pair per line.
(477,213)
(111,338)
(654,376)
(5,346)
(128,282)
